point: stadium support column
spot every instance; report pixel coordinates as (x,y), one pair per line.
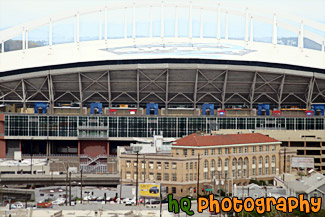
(275,34)
(80,92)
(252,93)
(2,140)
(167,84)
(226,26)
(246,25)
(281,92)
(224,89)
(301,36)
(218,24)
(195,90)
(24,94)
(109,89)
(138,90)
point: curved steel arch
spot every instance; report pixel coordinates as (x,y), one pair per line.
(248,14)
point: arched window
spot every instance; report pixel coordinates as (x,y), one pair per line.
(267,159)
(260,160)
(234,162)
(219,163)
(273,159)
(213,162)
(254,161)
(206,164)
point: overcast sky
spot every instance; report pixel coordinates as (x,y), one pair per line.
(14,12)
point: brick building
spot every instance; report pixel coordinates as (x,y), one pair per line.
(241,156)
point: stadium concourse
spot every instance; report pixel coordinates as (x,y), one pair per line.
(78,101)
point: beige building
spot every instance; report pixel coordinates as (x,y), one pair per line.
(207,158)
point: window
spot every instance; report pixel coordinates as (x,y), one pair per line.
(273,147)
(195,165)
(260,148)
(273,170)
(193,152)
(206,164)
(254,148)
(260,171)
(260,160)
(219,163)
(212,151)
(128,175)
(213,163)
(266,170)
(234,150)
(186,177)
(174,190)
(174,166)
(128,163)
(159,165)
(254,161)
(273,159)
(267,159)
(184,152)
(191,165)
(167,190)
(159,176)
(174,177)
(246,149)
(134,176)
(226,150)
(187,166)
(206,151)
(135,164)
(142,176)
(166,177)
(151,176)
(191,177)
(240,150)
(205,174)
(177,151)
(267,148)
(166,165)
(254,172)
(143,164)
(220,151)
(195,176)
(226,162)
(150,165)
(41,194)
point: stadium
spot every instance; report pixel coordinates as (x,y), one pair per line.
(140,77)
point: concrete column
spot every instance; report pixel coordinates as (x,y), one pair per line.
(79,150)
(2,148)
(107,148)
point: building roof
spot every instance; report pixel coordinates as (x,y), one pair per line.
(229,139)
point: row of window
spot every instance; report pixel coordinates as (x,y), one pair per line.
(152,177)
(233,150)
(151,165)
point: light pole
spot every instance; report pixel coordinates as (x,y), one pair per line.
(198,176)
(137,180)
(81,186)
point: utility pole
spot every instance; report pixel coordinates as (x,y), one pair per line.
(242,188)
(284,164)
(69,188)
(219,187)
(81,186)
(31,157)
(0,189)
(198,176)
(121,184)
(137,180)
(66,187)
